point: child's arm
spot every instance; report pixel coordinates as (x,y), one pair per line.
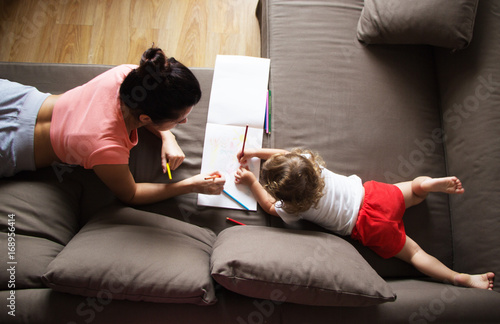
(266,202)
(264,154)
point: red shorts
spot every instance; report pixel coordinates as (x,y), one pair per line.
(380,221)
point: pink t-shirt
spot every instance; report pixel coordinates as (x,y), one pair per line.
(87,125)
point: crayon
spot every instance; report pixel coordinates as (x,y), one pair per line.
(213,177)
(236,200)
(266,120)
(270,111)
(244,141)
(168,171)
(234,221)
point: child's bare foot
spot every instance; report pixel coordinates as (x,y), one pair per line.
(450,185)
(482,281)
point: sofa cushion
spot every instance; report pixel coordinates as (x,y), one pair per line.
(440,23)
(303,267)
(123,253)
(44,205)
(28,257)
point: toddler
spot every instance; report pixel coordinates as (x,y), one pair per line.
(296,185)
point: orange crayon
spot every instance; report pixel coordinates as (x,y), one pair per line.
(213,177)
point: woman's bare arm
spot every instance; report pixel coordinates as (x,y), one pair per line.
(120,181)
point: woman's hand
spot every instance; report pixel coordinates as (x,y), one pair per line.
(244,176)
(171,152)
(209,184)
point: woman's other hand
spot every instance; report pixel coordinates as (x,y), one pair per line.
(171,152)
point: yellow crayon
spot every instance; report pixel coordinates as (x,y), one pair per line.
(168,171)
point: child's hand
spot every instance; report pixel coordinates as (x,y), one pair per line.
(243,158)
(244,176)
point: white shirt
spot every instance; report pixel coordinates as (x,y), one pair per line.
(338,209)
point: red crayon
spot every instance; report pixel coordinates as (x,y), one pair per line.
(244,140)
(234,221)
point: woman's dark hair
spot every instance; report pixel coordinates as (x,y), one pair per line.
(160,87)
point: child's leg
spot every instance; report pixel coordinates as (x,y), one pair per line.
(416,191)
(432,267)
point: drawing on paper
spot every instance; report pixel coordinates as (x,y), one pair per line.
(222,144)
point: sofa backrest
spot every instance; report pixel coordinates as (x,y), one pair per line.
(469,83)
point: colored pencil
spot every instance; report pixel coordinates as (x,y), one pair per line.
(244,140)
(270,110)
(267,114)
(236,200)
(234,221)
(168,171)
(213,177)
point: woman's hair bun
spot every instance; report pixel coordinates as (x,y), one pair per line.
(160,87)
(156,57)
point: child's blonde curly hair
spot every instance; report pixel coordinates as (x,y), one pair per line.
(294,179)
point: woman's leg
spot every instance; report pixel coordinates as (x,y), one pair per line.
(414,192)
(432,267)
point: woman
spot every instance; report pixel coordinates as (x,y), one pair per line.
(95,125)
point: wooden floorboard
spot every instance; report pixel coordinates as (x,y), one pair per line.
(118,31)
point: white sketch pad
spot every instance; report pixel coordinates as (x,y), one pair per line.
(239,91)
(238,98)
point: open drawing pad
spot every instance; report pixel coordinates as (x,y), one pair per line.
(238,98)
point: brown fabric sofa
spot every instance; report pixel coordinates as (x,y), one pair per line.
(388,112)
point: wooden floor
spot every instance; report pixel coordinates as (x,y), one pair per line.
(118,31)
